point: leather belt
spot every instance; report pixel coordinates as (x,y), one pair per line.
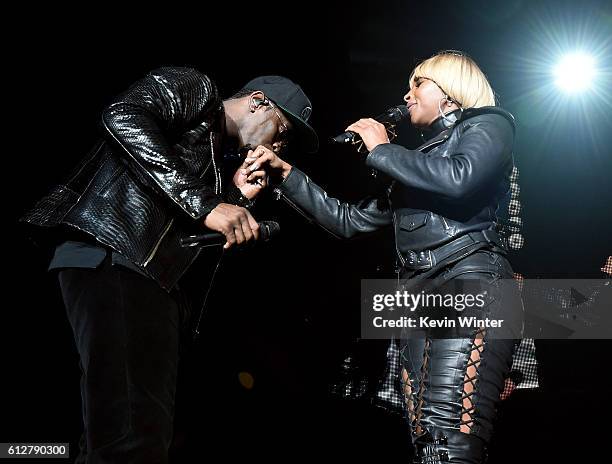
(449,252)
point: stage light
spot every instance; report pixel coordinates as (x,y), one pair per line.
(575,72)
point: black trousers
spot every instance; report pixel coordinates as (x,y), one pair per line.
(453,378)
(126,330)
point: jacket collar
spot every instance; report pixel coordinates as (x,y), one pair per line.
(442,124)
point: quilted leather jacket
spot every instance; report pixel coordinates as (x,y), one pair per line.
(446,188)
(153,177)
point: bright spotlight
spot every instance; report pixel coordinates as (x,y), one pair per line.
(575,72)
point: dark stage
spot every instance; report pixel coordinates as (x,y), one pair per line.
(256,385)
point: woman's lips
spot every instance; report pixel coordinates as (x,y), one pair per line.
(410,106)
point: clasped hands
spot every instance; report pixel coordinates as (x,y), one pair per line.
(263,160)
(234,222)
(261,165)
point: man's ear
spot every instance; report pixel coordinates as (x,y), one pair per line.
(257,99)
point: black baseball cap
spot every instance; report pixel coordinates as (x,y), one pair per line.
(294,103)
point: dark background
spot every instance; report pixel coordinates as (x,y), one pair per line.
(287,312)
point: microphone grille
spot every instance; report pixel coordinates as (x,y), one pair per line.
(268,229)
(402,112)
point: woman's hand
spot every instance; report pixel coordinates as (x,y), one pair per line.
(264,158)
(371,132)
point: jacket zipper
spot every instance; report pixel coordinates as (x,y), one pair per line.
(397,251)
(445,223)
(155,248)
(280,194)
(212,158)
(435,142)
(400,256)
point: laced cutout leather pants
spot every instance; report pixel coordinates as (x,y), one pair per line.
(452,385)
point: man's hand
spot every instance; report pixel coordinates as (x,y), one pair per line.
(371,131)
(234,222)
(264,158)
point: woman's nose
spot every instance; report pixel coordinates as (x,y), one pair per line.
(407,97)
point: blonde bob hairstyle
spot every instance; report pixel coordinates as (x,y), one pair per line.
(458,76)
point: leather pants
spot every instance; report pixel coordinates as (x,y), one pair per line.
(452,378)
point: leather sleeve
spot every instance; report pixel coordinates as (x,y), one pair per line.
(234,196)
(144,119)
(341,219)
(482,155)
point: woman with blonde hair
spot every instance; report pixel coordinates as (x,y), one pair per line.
(442,204)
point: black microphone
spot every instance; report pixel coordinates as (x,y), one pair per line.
(267,230)
(392,116)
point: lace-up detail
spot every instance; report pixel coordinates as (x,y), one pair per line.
(415,401)
(470,383)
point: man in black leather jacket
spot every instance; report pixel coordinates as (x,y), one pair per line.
(156,176)
(442,205)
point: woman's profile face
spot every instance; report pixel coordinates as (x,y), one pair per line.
(422,101)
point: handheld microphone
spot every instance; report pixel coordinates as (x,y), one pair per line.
(392,116)
(267,230)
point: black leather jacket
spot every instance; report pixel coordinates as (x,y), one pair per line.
(154,176)
(446,188)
